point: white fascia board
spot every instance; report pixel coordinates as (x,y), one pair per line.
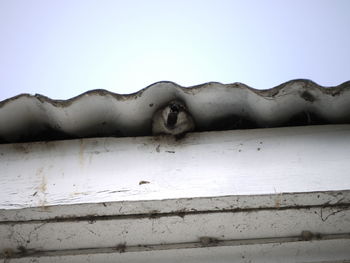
(230,186)
(241,162)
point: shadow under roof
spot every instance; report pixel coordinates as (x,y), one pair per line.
(214,106)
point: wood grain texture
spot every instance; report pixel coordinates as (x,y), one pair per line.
(241,162)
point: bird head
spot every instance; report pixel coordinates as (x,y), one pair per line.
(171,113)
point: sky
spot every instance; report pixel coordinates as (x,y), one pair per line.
(62,48)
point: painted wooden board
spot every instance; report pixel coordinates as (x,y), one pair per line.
(178,206)
(253,193)
(241,162)
(327,251)
(99,232)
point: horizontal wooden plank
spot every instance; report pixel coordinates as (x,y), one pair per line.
(94,195)
(177,206)
(240,162)
(318,251)
(150,230)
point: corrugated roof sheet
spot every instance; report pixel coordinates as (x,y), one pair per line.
(214,106)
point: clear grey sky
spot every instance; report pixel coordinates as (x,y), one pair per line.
(61,48)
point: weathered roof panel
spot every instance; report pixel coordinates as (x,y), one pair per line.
(214,106)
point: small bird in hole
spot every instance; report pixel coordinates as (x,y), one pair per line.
(173,119)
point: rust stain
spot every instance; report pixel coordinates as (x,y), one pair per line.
(43,182)
(42,187)
(80,193)
(7,253)
(43,205)
(278,201)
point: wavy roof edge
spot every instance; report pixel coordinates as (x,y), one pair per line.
(214,106)
(333,90)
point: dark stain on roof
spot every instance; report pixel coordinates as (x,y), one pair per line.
(214,106)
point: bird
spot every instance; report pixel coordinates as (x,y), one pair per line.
(173,119)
